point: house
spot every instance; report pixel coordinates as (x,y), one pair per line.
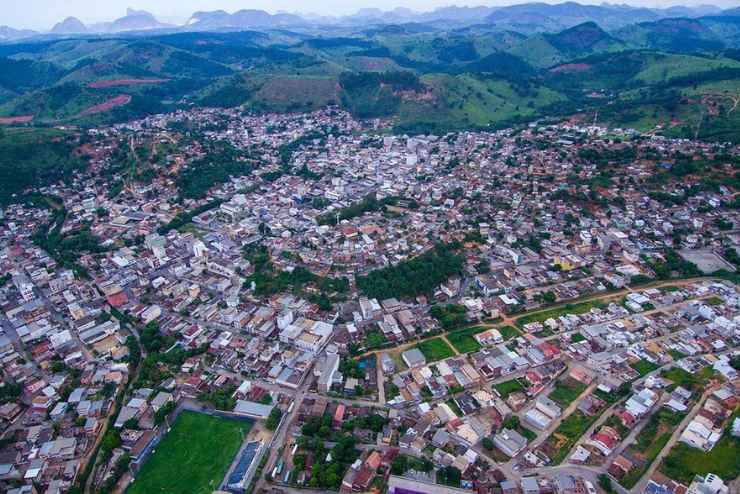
(548,407)
(413,358)
(489,337)
(711,484)
(700,434)
(605,440)
(338,416)
(530,485)
(620,467)
(329,370)
(387,364)
(252,409)
(510,442)
(161,399)
(640,403)
(679,400)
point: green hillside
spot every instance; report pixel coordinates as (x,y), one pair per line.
(35,157)
(653,75)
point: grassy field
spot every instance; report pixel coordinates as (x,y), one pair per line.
(577,337)
(454,407)
(507,387)
(509,332)
(560,442)
(565,392)
(692,382)
(714,301)
(651,440)
(683,461)
(542,316)
(463,101)
(435,349)
(463,340)
(193,457)
(643,367)
(663,67)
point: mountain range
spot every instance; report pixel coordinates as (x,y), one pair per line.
(526,18)
(450,69)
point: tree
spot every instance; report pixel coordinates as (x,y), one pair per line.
(449,476)
(163,412)
(549,297)
(111,441)
(132,423)
(487,443)
(606,483)
(511,423)
(266,400)
(399,465)
(273,420)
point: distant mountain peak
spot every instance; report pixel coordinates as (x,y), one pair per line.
(583,37)
(70,25)
(245,18)
(135,20)
(136,13)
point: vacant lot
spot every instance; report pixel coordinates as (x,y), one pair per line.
(463,340)
(643,367)
(193,457)
(650,441)
(509,332)
(692,382)
(561,441)
(435,349)
(15,120)
(542,316)
(566,391)
(508,387)
(683,462)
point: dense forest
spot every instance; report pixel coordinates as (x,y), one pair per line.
(417,276)
(31,158)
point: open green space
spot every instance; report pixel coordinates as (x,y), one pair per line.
(714,301)
(684,462)
(577,337)
(36,157)
(565,392)
(463,340)
(413,277)
(193,457)
(509,332)
(435,349)
(555,312)
(643,367)
(692,382)
(561,441)
(507,387)
(454,407)
(650,441)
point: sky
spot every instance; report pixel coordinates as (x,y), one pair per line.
(43,14)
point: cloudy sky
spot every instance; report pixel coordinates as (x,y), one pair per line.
(42,14)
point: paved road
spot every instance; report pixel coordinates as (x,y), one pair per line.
(283,429)
(380,379)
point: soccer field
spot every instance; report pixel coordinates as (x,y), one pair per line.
(193,457)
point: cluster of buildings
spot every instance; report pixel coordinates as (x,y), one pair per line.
(197,279)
